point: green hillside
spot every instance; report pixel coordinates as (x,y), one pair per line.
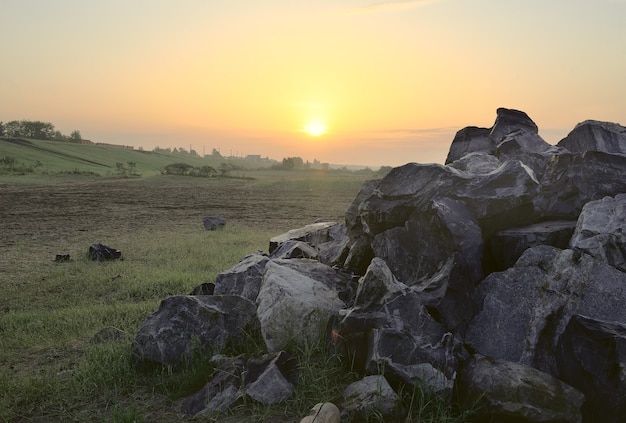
(56,157)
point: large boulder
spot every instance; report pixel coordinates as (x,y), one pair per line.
(525,309)
(188,324)
(572,180)
(601,230)
(468,140)
(592,135)
(295,302)
(367,397)
(501,391)
(439,252)
(314,234)
(389,324)
(244,278)
(591,356)
(504,248)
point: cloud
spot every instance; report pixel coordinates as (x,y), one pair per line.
(392,5)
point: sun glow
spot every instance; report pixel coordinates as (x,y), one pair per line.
(315,128)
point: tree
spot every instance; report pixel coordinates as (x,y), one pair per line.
(75,135)
(1,129)
(215,153)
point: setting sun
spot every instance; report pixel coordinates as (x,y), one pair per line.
(315,128)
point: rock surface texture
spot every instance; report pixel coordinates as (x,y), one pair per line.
(501,273)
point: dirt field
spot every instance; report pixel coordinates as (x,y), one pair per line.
(43,220)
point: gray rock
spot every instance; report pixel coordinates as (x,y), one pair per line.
(508,121)
(222,391)
(268,380)
(572,180)
(591,356)
(377,286)
(525,309)
(271,379)
(502,391)
(439,253)
(323,412)
(313,234)
(476,163)
(470,140)
(388,323)
(244,278)
(592,135)
(422,376)
(601,230)
(506,246)
(335,251)
(212,223)
(185,323)
(369,396)
(292,305)
(295,249)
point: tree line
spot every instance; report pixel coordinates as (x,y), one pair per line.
(35,129)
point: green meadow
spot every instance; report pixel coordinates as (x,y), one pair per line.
(56,364)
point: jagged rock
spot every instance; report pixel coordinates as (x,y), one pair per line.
(502,391)
(572,180)
(468,140)
(222,391)
(292,305)
(592,135)
(271,379)
(529,148)
(268,380)
(439,252)
(506,246)
(186,323)
(377,286)
(212,223)
(335,251)
(368,396)
(476,163)
(244,278)
(323,412)
(525,309)
(422,376)
(294,249)
(388,323)
(500,199)
(511,120)
(601,230)
(591,356)
(313,234)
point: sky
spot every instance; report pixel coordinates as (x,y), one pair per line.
(390,82)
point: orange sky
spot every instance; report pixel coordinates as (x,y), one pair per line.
(391,80)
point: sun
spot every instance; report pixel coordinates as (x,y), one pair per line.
(315,128)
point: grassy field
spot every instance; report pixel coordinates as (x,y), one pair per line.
(52,368)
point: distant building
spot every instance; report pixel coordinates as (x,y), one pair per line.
(254,157)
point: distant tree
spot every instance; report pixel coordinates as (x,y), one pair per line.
(215,153)
(13,129)
(290,163)
(178,169)
(1,129)
(75,135)
(193,153)
(225,168)
(207,171)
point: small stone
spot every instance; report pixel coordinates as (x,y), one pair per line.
(323,412)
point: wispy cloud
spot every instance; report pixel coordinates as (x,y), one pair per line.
(391,6)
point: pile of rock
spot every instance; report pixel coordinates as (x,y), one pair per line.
(496,278)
